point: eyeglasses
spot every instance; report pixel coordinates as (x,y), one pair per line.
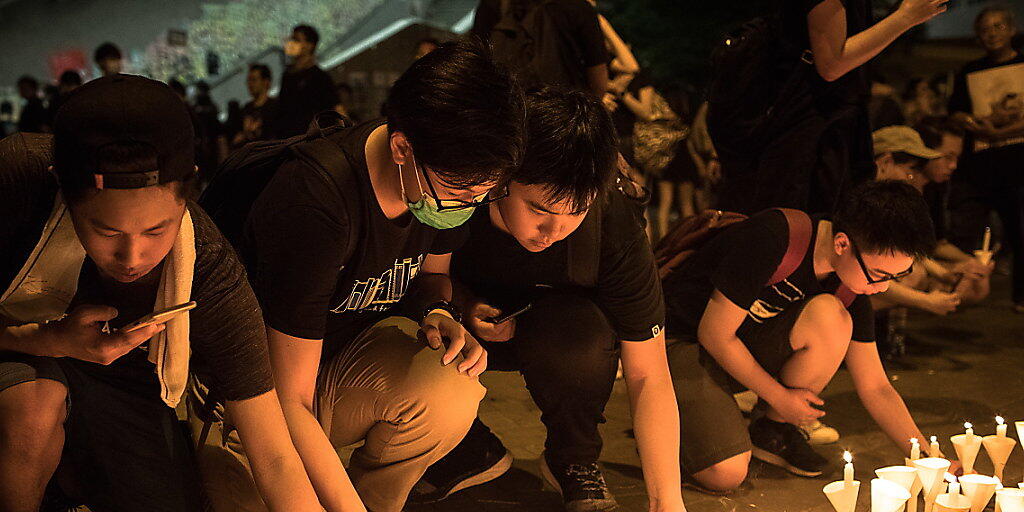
(444,205)
(867,274)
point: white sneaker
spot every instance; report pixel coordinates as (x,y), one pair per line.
(820,433)
(746,401)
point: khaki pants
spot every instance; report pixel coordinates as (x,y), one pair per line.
(387,389)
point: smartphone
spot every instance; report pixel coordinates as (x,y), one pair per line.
(500,319)
(157,317)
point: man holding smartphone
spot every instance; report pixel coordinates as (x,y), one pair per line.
(568,243)
(98,224)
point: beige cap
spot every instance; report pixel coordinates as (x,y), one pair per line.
(902,139)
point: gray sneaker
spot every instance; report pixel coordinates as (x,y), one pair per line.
(582,486)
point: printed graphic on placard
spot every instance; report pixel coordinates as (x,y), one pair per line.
(997,96)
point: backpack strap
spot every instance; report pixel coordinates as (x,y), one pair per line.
(799,242)
(327,155)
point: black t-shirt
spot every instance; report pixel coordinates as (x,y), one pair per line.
(265,116)
(303,94)
(495,267)
(310,283)
(33,116)
(960,101)
(577,19)
(853,87)
(936,195)
(226,332)
(739,262)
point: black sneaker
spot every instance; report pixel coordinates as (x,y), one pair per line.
(786,446)
(478,459)
(582,486)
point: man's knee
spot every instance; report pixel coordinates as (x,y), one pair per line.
(824,323)
(564,324)
(726,475)
(30,412)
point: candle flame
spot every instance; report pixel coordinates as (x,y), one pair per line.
(935,439)
(913,440)
(950,478)
(848,457)
(1000,420)
(968,425)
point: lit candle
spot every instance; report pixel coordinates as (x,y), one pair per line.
(848,469)
(933,450)
(954,486)
(1000,426)
(915,449)
(970,430)
(987,240)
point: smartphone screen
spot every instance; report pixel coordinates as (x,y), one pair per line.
(160,316)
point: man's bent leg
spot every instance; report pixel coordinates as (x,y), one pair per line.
(389,388)
(32,417)
(820,339)
(568,354)
(714,443)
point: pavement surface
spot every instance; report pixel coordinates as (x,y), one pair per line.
(963,367)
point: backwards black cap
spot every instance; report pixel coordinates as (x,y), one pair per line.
(121,109)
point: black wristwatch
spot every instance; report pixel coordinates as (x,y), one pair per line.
(445,306)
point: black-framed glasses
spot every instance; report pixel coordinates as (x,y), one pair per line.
(867,273)
(447,205)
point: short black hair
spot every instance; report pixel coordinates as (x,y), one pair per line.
(309,33)
(70,77)
(262,69)
(932,129)
(29,81)
(886,217)
(571,147)
(463,114)
(106,51)
(128,156)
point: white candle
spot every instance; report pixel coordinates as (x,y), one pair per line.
(933,450)
(848,470)
(1000,426)
(970,430)
(987,240)
(915,449)
(954,486)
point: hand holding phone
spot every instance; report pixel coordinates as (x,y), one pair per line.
(159,317)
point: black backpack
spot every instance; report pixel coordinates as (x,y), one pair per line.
(240,180)
(528,40)
(760,86)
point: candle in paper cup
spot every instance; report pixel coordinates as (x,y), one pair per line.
(954,485)
(842,497)
(887,496)
(905,477)
(986,241)
(931,470)
(848,469)
(967,446)
(980,489)
(1020,429)
(999,448)
(915,449)
(933,449)
(1000,426)
(1010,500)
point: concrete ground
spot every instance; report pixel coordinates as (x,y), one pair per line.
(964,367)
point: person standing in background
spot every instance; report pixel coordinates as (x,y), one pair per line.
(990,177)
(259,116)
(306,89)
(33,113)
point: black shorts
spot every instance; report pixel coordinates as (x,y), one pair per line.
(712,425)
(123,450)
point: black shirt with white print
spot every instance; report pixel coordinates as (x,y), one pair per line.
(497,268)
(739,262)
(310,284)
